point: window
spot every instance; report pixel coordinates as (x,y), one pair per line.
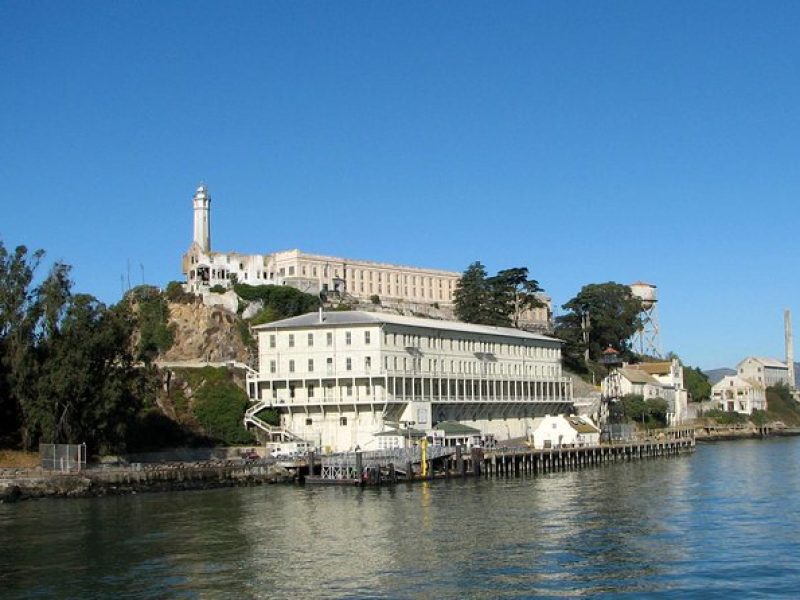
(310,365)
(366,337)
(272,341)
(349,390)
(310,340)
(329,365)
(348,338)
(291,270)
(291,340)
(367,363)
(342,420)
(273,366)
(291,366)
(329,338)
(349,364)
(310,391)
(309,421)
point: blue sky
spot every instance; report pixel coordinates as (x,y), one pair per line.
(588,141)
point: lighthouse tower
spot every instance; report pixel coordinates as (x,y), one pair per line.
(202,218)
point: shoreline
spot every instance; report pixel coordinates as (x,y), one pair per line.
(28,484)
(17,484)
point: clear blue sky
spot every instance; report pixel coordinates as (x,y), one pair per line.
(588,141)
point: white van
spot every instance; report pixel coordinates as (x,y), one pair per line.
(288,449)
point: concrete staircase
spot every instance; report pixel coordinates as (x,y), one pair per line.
(274,433)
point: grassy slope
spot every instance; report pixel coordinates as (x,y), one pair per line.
(781,407)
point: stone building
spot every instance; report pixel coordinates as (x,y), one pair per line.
(765,371)
(407,286)
(341,379)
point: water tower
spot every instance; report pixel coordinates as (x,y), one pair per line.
(647,340)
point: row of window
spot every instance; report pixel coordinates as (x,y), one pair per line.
(464,345)
(348,339)
(327,391)
(273,365)
(434,365)
(469,367)
(439,343)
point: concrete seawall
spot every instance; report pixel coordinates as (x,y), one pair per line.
(21,484)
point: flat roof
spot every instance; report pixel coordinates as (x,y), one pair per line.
(357,317)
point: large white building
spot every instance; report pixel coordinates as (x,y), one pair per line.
(340,379)
(358,279)
(765,371)
(734,393)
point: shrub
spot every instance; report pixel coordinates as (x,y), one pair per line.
(282,301)
(174,292)
(219,407)
(375,299)
(725,417)
(218,289)
(152,314)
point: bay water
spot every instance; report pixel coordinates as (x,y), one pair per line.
(723,522)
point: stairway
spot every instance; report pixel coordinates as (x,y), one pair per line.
(274,433)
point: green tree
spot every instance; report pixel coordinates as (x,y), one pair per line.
(17,296)
(152,313)
(512,294)
(611,312)
(500,300)
(88,386)
(696,383)
(471,295)
(634,408)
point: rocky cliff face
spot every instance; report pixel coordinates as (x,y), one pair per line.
(205,333)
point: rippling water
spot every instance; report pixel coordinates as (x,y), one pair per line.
(723,522)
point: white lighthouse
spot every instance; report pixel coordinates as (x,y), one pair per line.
(202,218)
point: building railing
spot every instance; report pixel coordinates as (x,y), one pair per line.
(400,398)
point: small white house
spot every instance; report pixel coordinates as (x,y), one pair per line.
(739,394)
(453,433)
(564,432)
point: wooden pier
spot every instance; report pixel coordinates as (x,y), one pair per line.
(499,462)
(507,462)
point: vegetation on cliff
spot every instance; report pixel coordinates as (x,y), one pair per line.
(277,301)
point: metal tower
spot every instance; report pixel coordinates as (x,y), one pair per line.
(647,341)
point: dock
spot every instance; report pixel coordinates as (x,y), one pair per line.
(405,465)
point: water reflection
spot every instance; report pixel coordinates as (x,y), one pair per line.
(722,520)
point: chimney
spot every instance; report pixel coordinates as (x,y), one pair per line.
(787,326)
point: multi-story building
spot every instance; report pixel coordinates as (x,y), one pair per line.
(663,379)
(734,393)
(341,378)
(765,371)
(358,279)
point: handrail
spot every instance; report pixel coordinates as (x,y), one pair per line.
(282,433)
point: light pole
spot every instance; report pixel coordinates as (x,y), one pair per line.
(408,425)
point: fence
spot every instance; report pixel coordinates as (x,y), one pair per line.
(345,465)
(62,457)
